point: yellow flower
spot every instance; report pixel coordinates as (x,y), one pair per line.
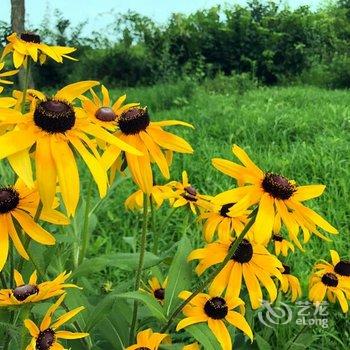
(213,309)
(136,129)
(54,125)
(5,74)
(148,339)
(218,219)
(251,261)
(102,113)
(340,267)
(332,285)
(47,335)
(158,195)
(32,292)
(27,45)
(282,245)
(186,194)
(20,203)
(157,289)
(275,195)
(290,283)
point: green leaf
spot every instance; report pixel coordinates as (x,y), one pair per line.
(262,343)
(204,336)
(152,304)
(99,312)
(124,261)
(179,277)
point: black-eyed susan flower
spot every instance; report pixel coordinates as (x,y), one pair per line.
(282,246)
(20,203)
(157,289)
(186,194)
(28,44)
(5,75)
(214,309)
(54,125)
(33,292)
(48,335)
(340,267)
(136,129)
(275,195)
(158,195)
(148,340)
(251,261)
(290,283)
(218,219)
(331,285)
(102,111)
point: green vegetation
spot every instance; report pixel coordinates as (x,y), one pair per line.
(301,132)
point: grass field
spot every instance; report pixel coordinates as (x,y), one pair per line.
(300,132)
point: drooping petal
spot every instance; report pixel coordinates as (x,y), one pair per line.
(46,173)
(67,172)
(33,230)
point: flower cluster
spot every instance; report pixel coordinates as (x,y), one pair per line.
(249,232)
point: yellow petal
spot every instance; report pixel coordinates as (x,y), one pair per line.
(68,176)
(72,91)
(33,230)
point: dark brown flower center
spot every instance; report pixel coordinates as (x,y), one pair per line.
(9,199)
(216,308)
(45,339)
(105,114)
(225,209)
(190,194)
(330,279)
(244,252)
(133,121)
(278,186)
(21,293)
(277,238)
(54,116)
(342,268)
(143,348)
(286,270)
(159,294)
(30,38)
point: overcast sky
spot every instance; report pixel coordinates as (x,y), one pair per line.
(100,12)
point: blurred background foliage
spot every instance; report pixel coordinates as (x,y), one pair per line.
(267,43)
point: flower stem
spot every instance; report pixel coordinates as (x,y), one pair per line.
(24,315)
(3,280)
(140,266)
(26,84)
(155,232)
(86,233)
(211,277)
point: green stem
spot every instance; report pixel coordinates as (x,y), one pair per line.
(3,280)
(140,266)
(86,234)
(25,314)
(211,277)
(155,232)
(26,84)
(12,266)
